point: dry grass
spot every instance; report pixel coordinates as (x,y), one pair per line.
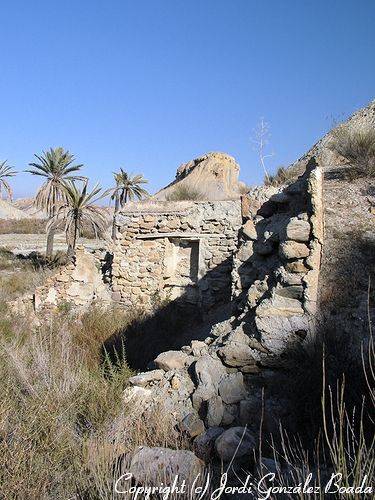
(19,275)
(22,226)
(283,176)
(64,430)
(62,420)
(183,192)
(357,146)
(65,433)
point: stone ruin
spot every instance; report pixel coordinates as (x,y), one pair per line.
(221,381)
(175,250)
(260,252)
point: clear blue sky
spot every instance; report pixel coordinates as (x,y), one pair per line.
(149,84)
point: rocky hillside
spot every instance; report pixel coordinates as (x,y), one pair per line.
(213,176)
(8,211)
(28,207)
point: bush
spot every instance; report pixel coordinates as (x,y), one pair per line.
(357,146)
(283,176)
(19,275)
(183,192)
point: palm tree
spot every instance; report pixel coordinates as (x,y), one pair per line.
(77,210)
(56,166)
(6,171)
(127,188)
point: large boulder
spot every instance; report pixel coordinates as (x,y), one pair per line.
(214,176)
(154,466)
(235,443)
(208,372)
(204,445)
(170,360)
(232,389)
(293,250)
(298,230)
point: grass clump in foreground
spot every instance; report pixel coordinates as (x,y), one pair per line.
(20,275)
(62,421)
(357,146)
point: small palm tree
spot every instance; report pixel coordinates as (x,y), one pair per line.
(77,210)
(56,166)
(127,188)
(6,171)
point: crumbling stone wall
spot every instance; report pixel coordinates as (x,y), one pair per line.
(277,264)
(79,284)
(175,250)
(216,386)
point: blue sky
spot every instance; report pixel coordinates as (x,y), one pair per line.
(149,84)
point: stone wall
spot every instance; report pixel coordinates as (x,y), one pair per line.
(175,250)
(277,264)
(82,282)
(216,386)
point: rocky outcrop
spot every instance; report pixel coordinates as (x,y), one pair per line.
(9,211)
(323,153)
(157,466)
(214,176)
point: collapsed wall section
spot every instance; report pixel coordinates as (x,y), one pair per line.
(276,268)
(233,377)
(175,251)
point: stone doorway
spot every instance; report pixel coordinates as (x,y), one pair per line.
(181,263)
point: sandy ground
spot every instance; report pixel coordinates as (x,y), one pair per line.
(26,243)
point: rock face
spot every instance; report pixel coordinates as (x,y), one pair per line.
(213,175)
(9,211)
(234,443)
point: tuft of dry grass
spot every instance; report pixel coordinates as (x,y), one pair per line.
(184,192)
(19,275)
(57,402)
(283,176)
(357,146)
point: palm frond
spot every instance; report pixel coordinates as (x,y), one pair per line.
(55,165)
(6,171)
(79,209)
(128,187)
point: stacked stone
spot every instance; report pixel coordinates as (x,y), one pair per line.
(277,264)
(140,265)
(77,284)
(209,388)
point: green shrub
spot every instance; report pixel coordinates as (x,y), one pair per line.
(183,192)
(357,146)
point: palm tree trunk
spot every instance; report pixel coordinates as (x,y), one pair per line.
(50,238)
(117,202)
(49,249)
(73,242)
